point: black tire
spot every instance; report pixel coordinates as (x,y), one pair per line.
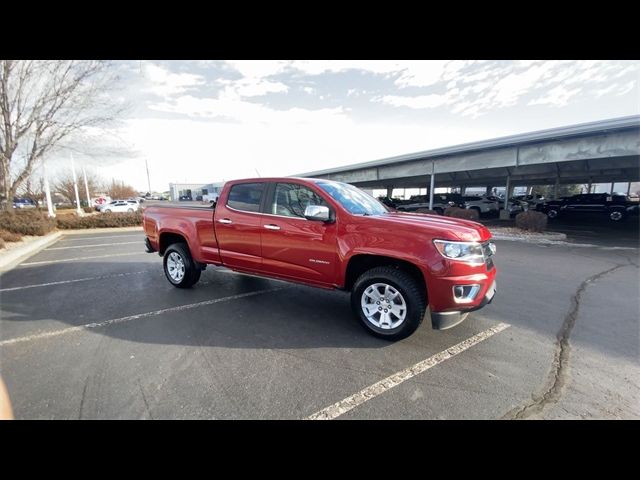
(191,270)
(410,289)
(130,210)
(552,213)
(439,211)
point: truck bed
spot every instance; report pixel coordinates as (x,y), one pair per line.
(194,223)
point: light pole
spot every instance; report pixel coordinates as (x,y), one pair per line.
(148,180)
(75,186)
(86,186)
(47,190)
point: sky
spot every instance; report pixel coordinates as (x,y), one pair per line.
(212,121)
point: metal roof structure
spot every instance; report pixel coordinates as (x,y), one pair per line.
(601,151)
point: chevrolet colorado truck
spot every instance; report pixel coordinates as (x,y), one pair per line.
(333,235)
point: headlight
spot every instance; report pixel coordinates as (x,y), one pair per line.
(469,252)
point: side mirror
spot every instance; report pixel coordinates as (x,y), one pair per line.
(317,213)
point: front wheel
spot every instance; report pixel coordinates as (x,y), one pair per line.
(552,213)
(616,215)
(179,267)
(388,302)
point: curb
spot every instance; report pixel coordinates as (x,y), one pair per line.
(15,256)
(10,259)
(530,238)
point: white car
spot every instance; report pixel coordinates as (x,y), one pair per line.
(119,206)
(482,204)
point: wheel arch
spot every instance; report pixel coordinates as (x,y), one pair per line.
(168,238)
(361,262)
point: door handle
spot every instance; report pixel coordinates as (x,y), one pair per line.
(224,220)
(271,226)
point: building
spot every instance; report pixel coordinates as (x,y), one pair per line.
(208,191)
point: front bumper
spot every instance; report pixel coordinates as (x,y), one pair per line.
(445,320)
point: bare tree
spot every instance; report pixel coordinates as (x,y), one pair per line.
(64,186)
(44,104)
(33,189)
(119,190)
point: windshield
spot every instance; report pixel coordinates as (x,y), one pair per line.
(353,199)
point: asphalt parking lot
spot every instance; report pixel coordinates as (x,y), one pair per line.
(91,329)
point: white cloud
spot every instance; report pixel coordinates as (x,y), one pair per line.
(250,87)
(509,89)
(415,73)
(492,86)
(258,69)
(165,83)
(558,96)
(422,101)
(249,112)
(628,87)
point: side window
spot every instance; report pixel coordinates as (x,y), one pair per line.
(291,200)
(246,196)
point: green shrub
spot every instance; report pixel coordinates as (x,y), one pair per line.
(27,222)
(100,220)
(465,213)
(427,211)
(10,236)
(531,221)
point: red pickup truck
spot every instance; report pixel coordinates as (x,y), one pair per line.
(333,235)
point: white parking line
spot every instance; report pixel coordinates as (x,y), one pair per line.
(63,331)
(86,279)
(378,388)
(73,238)
(82,258)
(95,245)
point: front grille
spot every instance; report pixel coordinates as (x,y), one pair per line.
(488,255)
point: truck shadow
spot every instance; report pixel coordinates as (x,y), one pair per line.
(247,312)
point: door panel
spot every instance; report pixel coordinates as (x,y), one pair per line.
(238,230)
(293,246)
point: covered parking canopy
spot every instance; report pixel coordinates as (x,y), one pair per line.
(596,152)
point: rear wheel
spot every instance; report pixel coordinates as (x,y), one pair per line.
(552,213)
(179,267)
(107,210)
(130,210)
(388,302)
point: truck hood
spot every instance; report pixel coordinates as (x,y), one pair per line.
(437,226)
